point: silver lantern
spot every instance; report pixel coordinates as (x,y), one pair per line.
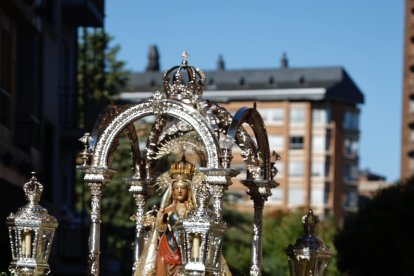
(309,256)
(201,238)
(31,231)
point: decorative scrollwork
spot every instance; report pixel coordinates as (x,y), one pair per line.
(157,103)
(96,196)
(188,142)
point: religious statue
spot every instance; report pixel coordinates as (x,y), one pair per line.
(161,255)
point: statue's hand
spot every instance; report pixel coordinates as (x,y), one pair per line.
(161,220)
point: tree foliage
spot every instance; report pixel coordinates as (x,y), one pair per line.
(278,232)
(101,75)
(378,240)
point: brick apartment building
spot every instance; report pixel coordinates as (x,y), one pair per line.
(312,120)
(407,135)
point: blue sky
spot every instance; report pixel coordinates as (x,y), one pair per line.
(365,37)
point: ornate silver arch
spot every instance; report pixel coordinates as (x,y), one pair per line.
(254,119)
(261,183)
(99,173)
(168,107)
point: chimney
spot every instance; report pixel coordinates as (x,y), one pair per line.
(153,59)
(220,63)
(284,62)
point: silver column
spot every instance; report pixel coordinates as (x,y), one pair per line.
(256,262)
(218,181)
(259,191)
(95,178)
(138,188)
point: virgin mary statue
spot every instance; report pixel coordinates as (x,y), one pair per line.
(161,255)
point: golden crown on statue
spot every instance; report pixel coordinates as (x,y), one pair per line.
(183,169)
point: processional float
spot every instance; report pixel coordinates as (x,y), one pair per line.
(183,119)
(184,236)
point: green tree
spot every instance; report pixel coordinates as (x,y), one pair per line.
(237,241)
(279,231)
(101,75)
(378,240)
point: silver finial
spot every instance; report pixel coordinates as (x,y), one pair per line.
(203,196)
(33,190)
(86,139)
(309,223)
(185,56)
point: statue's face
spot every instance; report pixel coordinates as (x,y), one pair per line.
(180,190)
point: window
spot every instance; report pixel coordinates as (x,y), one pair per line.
(350,172)
(411,105)
(266,114)
(280,166)
(272,115)
(296,142)
(296,196)
(318,168)
(234,197)
(326,193)
(319,116)
(296,168)
(276,195)
(276,142)
(351,120)
(297,115)
(317,196)
(327,165)
(411,164)
(351,147)
(351,199)
(318,143)
(278,115)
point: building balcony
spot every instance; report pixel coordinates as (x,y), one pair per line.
(84,13)
(410,51)
(350,182)
(409,81)
(351,156)
(410,148)
(410,119)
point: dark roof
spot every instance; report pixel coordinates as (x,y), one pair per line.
(370,176)
(333,81)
